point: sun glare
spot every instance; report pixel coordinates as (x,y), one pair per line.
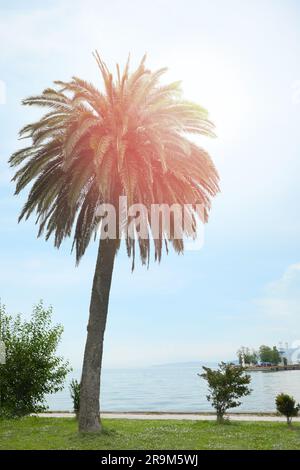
(218,86)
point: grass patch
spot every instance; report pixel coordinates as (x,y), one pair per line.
(61,433)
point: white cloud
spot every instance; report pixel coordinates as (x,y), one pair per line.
(65,29)
(30,31)
(281,298)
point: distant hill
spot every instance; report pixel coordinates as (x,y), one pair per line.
(191,364)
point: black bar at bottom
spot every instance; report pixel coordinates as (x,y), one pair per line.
(136,458)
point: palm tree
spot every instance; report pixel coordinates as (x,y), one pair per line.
(93,147)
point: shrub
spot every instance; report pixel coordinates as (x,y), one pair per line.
(226,385)
(75,395)
(32,368)
(286,405)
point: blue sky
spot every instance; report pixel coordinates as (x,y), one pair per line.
(241,61)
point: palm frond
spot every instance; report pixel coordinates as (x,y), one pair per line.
(129,139)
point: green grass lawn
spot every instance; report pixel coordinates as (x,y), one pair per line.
(61,433)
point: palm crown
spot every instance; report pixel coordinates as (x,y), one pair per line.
(92,147)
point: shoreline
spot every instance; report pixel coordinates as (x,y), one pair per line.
(156,415)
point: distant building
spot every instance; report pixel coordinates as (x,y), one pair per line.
(290,355)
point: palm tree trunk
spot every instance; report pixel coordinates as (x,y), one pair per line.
(89,410)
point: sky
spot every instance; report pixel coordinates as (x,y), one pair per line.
(241,60)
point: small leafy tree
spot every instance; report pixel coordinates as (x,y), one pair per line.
(32,368)
(276,358)
(268,354)
(249,356)
(226,385)
(75,395)
(286,405)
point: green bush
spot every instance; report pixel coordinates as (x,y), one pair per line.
(286,405)
(75,394)
(32,368)
(226,385)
